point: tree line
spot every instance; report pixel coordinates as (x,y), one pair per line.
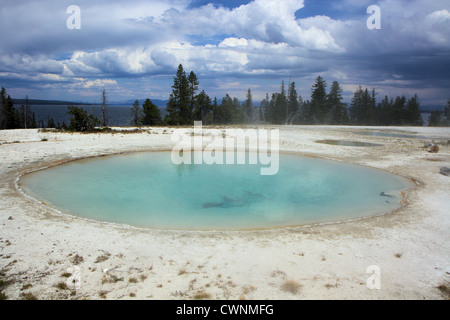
(186,105)
(12,118)
(286,107)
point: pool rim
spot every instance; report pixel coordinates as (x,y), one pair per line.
(403,203)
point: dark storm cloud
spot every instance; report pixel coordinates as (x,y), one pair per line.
(241,42)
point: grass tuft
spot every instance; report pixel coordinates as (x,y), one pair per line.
(445,290)
(61,285)
(29,296)
(77,259)
(202,295)
(291,286)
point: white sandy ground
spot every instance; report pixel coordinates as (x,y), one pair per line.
(410,246)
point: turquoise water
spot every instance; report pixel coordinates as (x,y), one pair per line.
(148,190)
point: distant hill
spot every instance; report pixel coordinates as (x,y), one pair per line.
(157,102)
(49,102)
(430,108)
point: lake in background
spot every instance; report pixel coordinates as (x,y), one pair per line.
(118,115)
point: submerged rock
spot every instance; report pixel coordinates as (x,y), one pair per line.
(445,171)
(382,194)
(238,202)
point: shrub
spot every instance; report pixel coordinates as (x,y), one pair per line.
(80,120)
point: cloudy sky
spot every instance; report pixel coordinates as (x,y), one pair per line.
(132,48)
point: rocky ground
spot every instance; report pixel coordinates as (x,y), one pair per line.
(46,254)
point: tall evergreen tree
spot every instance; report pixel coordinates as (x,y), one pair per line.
(412,113)
(136,113)
(192,90)
(203,107)
(337,110)
(178,107)
(434,120)
(398,111)
(152,114)
(224,112)
(279,106)
(214,110)
(362,108)
(248,107)
(292,104)
(306,115)
(2,115)
(265,106)
(237,112)
(7,111)
(384,110)
(447,113)
(356,107)
(319,106)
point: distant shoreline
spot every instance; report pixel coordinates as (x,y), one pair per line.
(49,102)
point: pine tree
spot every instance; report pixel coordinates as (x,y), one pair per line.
(136,113)
(362,108)
(412,113)
(319,106)
(384,112)
(398,111)
(34,124)
(79,119)
(447,113)
(178,106)
(305,116)
(356,106)
(278,106)
(8,114)
(192,89)
(248,107)
(292,104)
(223,114)
(265,106)
(203,107)
(237,112)
(151,114)
(434,120)
(51,123)
(337,111)
(215,109)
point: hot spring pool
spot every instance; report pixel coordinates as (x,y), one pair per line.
(147,190)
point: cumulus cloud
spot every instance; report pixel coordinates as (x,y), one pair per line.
(260,40)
